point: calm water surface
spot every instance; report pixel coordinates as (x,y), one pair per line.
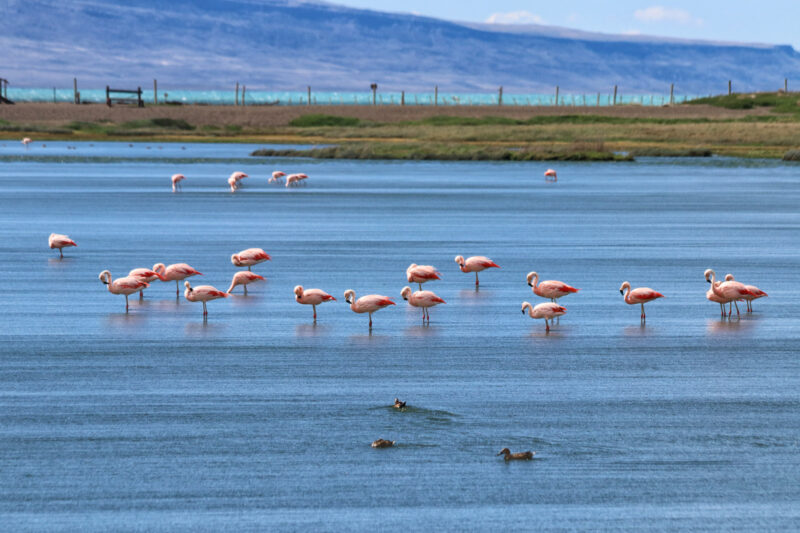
(259,419)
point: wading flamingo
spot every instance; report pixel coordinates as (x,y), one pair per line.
(423,299)
(475,264)
(519,456)
(176,181)
(127,285)
(641,295)
(276,176)
(238,176)
(177,273)
(203,293)
(145,274)
(711,297)
(367,304)
(295,179)
(26,141)
(420,274)
(244,278)
(250,257)
(547,310)
(755,294)
(56,240)
(233,184)
(551,174)
(549,288)
(312,297)
(727,290)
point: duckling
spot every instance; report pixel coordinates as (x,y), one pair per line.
(524,456)
(383,443)
(398,404)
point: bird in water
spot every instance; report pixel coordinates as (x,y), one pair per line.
(383,443)
(519,456)
(398,404)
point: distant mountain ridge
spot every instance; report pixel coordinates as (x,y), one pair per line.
(288,44)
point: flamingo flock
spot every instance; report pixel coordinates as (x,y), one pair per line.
(235,179)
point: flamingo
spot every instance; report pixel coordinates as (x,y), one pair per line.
(312,297)
(127,285)
(250,257)
(728,290)
(244,278)
(276,176)
(59,241)
(519,456)
(238,176)
(423,299)
(755,294)
(547,311)
(641,295)
(550,173)
(26,141)
(367,304)
(420,274)
(475,264)
(233,184)
(147,275)
(550,288)
(711,297)
(295,179)
(177,272)
(203,293)
(176,179)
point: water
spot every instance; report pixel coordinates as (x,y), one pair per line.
(256,97)
(257,419)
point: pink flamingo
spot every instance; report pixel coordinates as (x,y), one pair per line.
(549,288)
(367,304)
(233,184)
(420,274)
(244,278)
(312,297)
(711,297)
(127,285)
(295,179)
(238,176)
(177,272)
(26,141)
(755,294)
(642,295)
(423,299)
(147,275)
(203,293)
(475,264)
(250,257)
(547,311)
(728,290)
(176,179)
(60,241)
(550,173)
(276,176)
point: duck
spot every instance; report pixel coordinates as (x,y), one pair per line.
(383,443)
(398,404)
(519,456)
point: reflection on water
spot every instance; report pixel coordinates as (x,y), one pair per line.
(60,261)
(638,331)
(311,330)
(425,330)
(205,327)
(129,320)
(240,300)
(729,325)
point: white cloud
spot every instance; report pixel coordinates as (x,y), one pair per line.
(632,32)
(515,17)
(665,14)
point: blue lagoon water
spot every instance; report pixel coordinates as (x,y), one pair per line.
(258,419)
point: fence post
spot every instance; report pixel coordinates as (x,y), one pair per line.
(155,91)
(140,103)
(436,95)
(786,85)
(54,95)
(598,100)
(730,88)
(557,89)
(108,96)
(374,87)
(244,88)
(615,95)
(74,90)
(500,96)
(402,98)
(672,94)
(236,98)
(309,95)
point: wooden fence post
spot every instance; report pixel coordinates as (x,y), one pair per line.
(557,90)
(598,100)
(108,96)
(374,88)
(402,98)
(730,87)
(155,91)
(140,102)
(54,95)
(236,98)
(786,85)
(615,95)
(672,94)
(436,95)
(500,96)
(244,88)
(309,95)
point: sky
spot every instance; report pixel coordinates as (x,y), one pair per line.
(766,21)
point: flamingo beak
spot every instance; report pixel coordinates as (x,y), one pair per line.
(523,312)
(404,298)
(708,280)
(530,285)
(621,291)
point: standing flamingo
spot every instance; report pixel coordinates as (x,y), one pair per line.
(238,176)
(312,297)
(250,257)
(549,288)
(546,310)
(728,290)
(26,141)
(755,294)
(420,274)
(177,272)
(244,278)
(60,241)
(145,274)
(423,299)
(295,179)
(176,181)
(233,184)
(367,304)
(711,297)
(127,285)
(276,176)
(642,295)
(203,293)
(551,174)
(475,264)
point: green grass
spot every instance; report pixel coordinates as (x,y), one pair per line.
(779,102)
(792,155)
(314,120)
(160,123)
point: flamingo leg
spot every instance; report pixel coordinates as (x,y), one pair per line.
(177,288)
(248,268)
(141,295)
(643,315)
(61,253)
(420,285)
(737,307)
(546,326)
(315,311)
(476,279)
(126,303)
(370,321)
(205,311)
(245,289)
(730,308)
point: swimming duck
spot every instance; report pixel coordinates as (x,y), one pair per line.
(398,404)
(383,443)
(524,456)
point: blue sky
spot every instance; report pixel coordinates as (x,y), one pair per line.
(767,21)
